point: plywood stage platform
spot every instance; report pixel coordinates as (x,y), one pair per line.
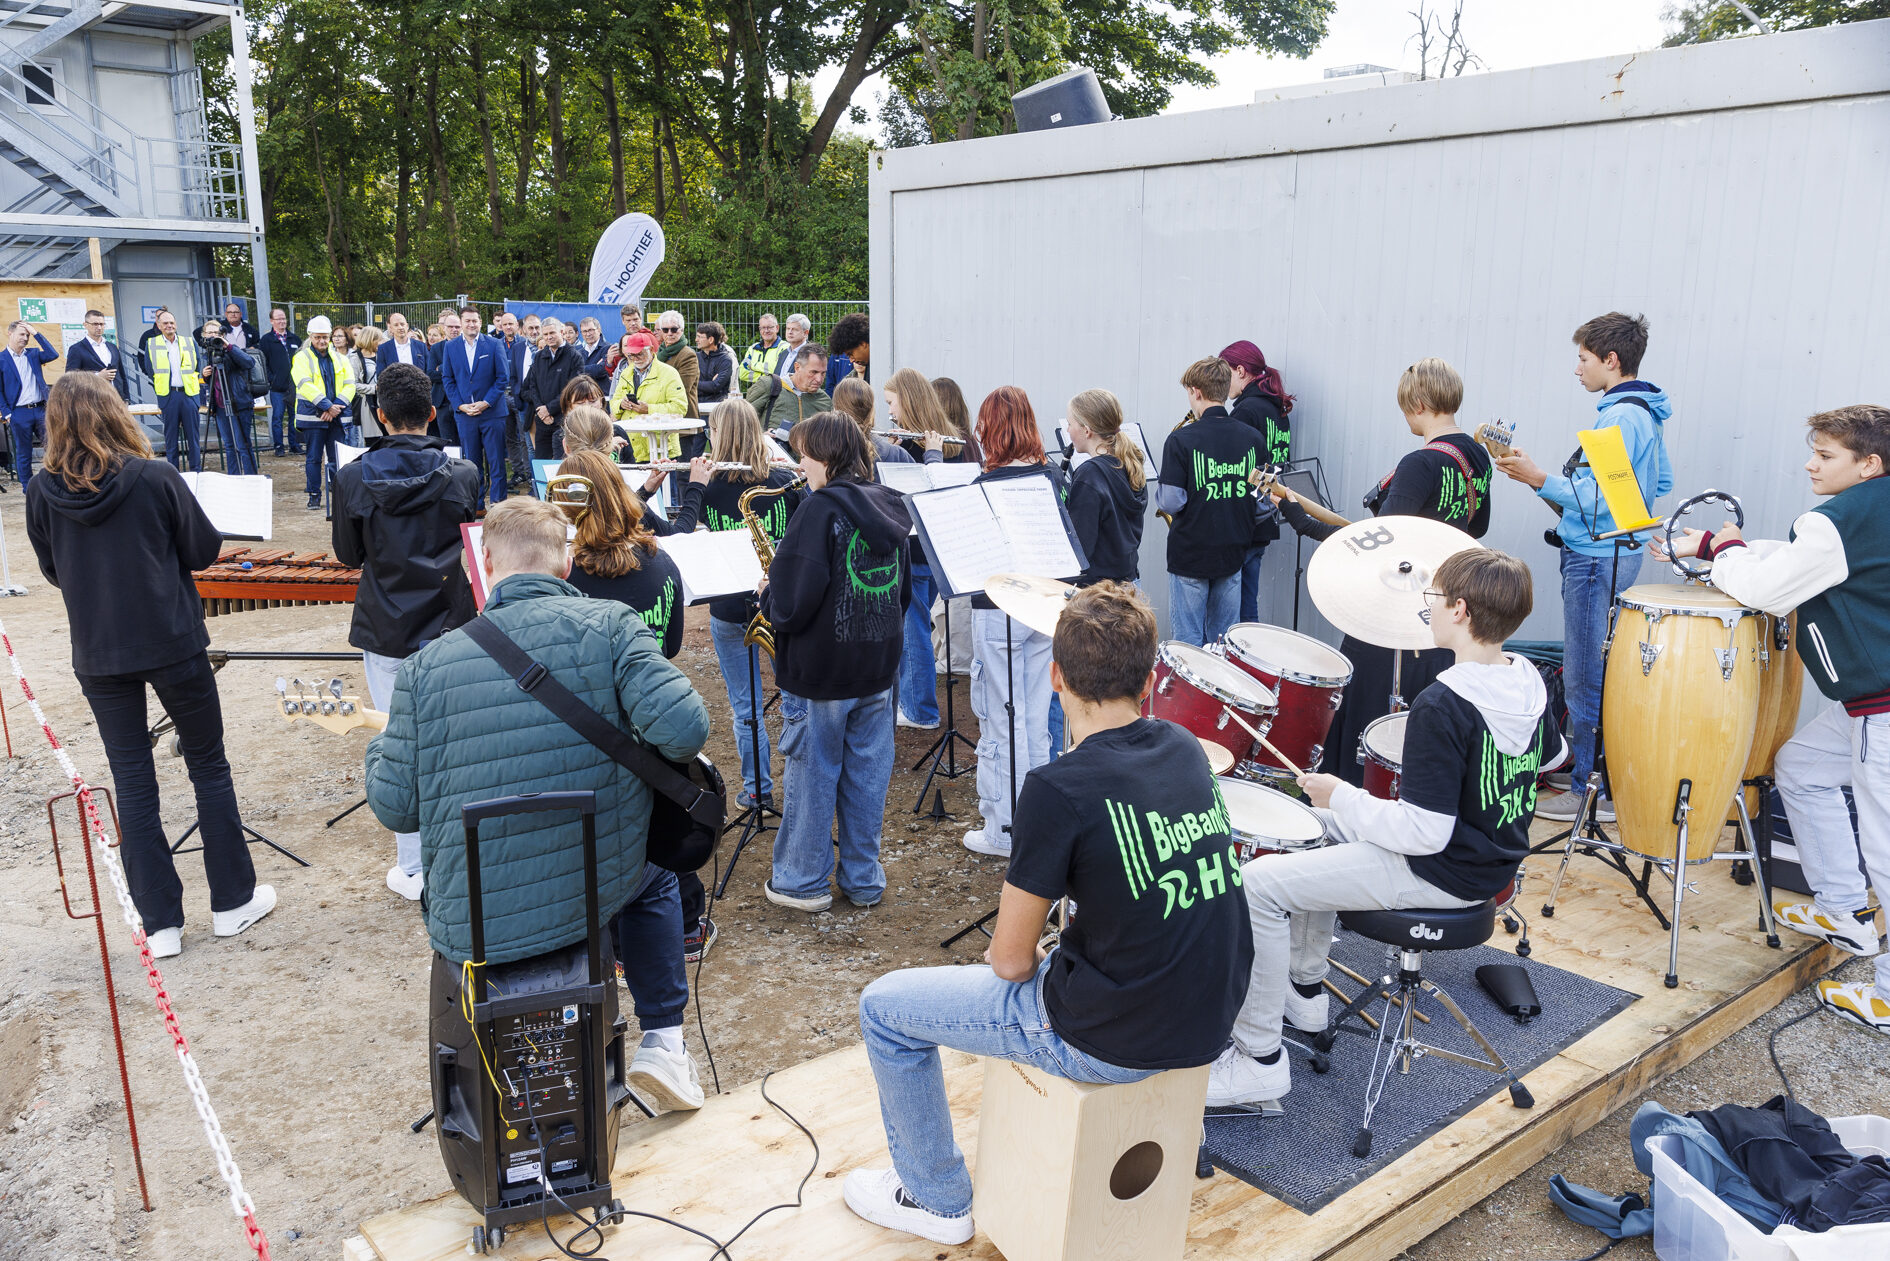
(717,1168)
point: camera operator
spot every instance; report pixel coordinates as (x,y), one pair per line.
(226,370)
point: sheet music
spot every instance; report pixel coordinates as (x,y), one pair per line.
(1132,428)
(963,536)
(913,479)
(714,563)
(1033,523)
(239,507)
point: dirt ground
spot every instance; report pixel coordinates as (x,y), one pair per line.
(310,1028)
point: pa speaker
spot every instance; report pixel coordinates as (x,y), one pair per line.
(1070,99)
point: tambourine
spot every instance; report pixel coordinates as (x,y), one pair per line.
(1686,566)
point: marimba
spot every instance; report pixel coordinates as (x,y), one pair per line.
(248,577)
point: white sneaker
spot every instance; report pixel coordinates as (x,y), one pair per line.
(1238,1077)
(1563,807)
(1856,1001)
(1845,931)
(1308,1015)
(261,902)
(904,721)
(977,843)
(820,903)
(406,886)
(166,943)
(877,1196)
(666,1078)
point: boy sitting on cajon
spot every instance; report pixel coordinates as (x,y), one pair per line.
(1472,746)
(1130,825)
(1835,571)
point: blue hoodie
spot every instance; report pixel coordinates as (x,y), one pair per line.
(1584,512)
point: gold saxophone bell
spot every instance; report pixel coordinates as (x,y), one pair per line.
(759,632)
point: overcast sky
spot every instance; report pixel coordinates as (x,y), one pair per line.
(1506,34)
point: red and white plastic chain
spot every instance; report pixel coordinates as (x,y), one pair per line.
(101,837)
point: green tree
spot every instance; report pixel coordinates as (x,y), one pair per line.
(1702,20)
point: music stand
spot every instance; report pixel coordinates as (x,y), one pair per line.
(943,754)
(753,821)
(1306,478)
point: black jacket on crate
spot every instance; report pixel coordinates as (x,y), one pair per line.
(398,510)
(132,544)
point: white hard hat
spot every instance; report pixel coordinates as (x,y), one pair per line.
(320,324)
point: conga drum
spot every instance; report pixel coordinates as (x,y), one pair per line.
(1681,701)
(1781,688)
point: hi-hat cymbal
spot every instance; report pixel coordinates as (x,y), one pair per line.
(1369,578)
(1036,602)
(1220,757)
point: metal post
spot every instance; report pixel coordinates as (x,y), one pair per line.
(252,166)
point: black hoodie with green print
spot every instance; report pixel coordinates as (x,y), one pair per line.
(838,590)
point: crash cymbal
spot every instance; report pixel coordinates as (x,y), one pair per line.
(1036,602)
(1220,757)
(1369,578)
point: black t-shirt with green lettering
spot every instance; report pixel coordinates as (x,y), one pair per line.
(653,591)
(1211,460)
(1154,966)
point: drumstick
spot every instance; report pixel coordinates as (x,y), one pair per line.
(1264,742)
(1363,981)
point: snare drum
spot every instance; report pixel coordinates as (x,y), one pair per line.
(1266,821)
(1308,677)
(1381,753)
(1197,689)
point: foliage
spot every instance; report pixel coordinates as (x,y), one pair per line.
(438,146)
(1702,20)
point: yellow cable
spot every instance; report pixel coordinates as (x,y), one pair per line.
(466,1013)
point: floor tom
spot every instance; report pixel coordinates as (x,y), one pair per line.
(1381,752)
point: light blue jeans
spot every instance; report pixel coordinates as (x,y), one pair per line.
(1020,673)
(839,766)
(739,672)
(906,1016)
(918,669)
(1586,581)
(1201,609)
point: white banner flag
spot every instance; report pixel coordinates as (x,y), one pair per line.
(627,255)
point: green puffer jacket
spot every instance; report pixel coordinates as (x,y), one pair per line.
(459,730)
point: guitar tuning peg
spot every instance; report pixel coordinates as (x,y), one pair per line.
(334,688)
(282,686)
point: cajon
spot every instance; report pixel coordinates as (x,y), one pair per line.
(1068,1170)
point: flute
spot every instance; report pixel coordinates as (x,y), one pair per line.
(914,435)
(682,466)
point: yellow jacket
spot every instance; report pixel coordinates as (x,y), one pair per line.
(311,392)
(662,392)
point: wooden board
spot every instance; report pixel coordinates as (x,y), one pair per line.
(717,1168)
(96,294)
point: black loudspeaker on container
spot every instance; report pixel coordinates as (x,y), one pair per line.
(547,1029)
(1070,99)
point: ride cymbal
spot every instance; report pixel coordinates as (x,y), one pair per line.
(1369,578)
(1036,602)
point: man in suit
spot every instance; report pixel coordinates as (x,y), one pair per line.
(474,372)
(278,351)
(594,350)
(176,373)
(403,345)
(547,371)
(23,392)
(443,414)
(518,354)
(92,353)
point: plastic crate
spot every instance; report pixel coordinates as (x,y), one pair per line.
(1692,1224)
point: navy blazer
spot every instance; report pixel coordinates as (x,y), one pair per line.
(82,358)
(384,357)
(278,352)
(486,380)
(597,362)
(10,382)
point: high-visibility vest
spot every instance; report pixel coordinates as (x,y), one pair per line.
(306,372)
(758,363)
(161,366)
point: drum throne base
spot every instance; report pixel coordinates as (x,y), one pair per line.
(1586,836)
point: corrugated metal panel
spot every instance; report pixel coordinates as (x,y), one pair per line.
(1752,239)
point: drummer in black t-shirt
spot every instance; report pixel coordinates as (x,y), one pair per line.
(1472,747)
(1130,824)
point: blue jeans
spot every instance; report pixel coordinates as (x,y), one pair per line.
(739,671)
(25,424)
(906,1016)
(282,422)
(179,412)
(1586,581)
(1201,609)
(839,767)
(321,440)
(1056,725)
(648,937)
(1250,583)
(482,440)
(918,670)
(233,434)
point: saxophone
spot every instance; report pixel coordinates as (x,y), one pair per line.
(1168,518)
(759,632)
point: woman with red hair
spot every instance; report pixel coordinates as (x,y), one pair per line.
(1009,661)
(1261,401)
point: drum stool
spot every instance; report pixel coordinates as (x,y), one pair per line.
(1413,932)
(1067,1169)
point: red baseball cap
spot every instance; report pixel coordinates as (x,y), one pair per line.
(642,341)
